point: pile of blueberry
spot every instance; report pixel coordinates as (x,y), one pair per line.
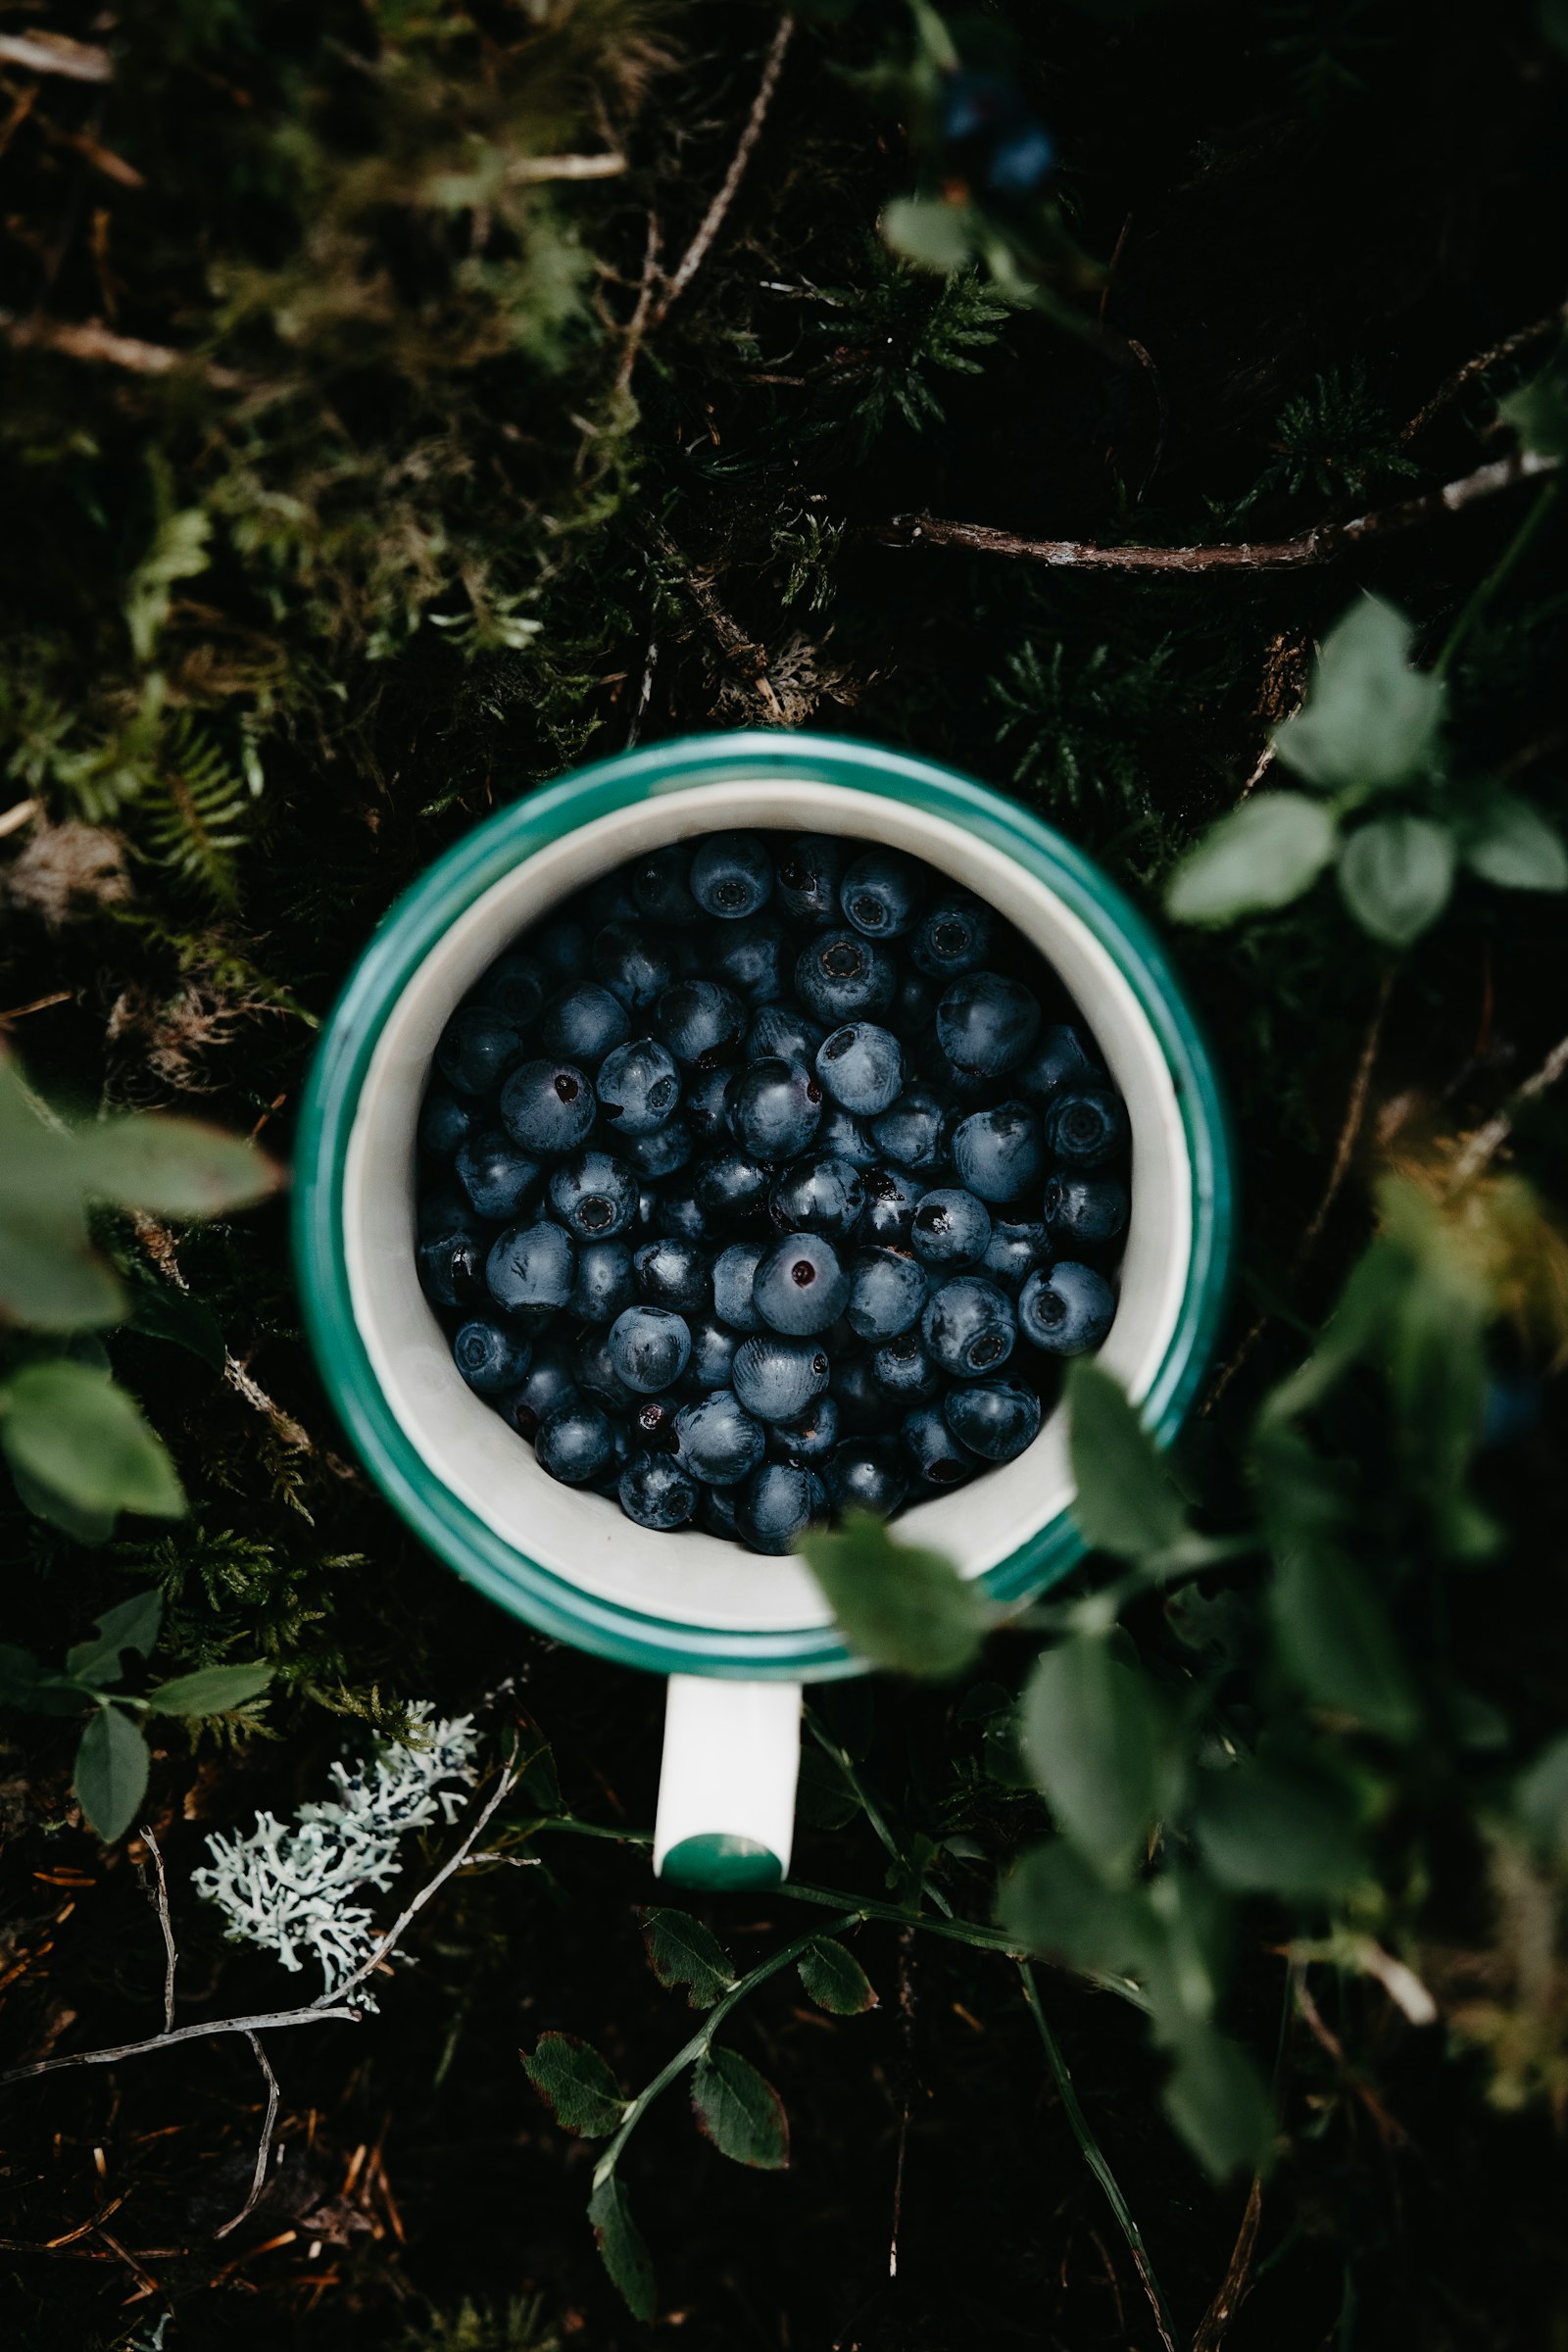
(771,1177)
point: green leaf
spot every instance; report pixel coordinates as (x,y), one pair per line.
(1540,1798)
(835,1980)
(160,1311)
(1337,1643)
(1097,1735)
(1217,2103)
(1538,411)
(1510,844)
(928,232)
(78,1438)
(174,1167)
(1056,1906)
(1395,875)
(1126,1502)
(19,1672)
(1370,719)
(622,2247)
(1278,1829)
(51,1277)
(210,1691)
(132,1625)
(740,2111)
(681,1951)
(112,1766)
(576,2084)
(898,1605)
(84,1526)
(1261,856)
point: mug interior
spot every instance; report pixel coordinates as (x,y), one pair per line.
(692,1579)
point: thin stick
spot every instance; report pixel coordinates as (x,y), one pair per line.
(59,995)
(1322,545)
(90,340)
(160,1897)
(1232,2289)
(1461,376)
(645,694)
(270,2022)
(1488,1140)
(906,2039)
(637,324)
(530,171)
(264,2147)
(712,219)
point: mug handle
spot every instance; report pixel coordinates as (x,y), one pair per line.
(726,1785)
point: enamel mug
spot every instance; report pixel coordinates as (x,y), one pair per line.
(736,1634)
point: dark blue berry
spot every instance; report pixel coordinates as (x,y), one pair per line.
(656,1493)
(551,1381)
(633,963)
(809,870)
(446,1120)
(864,1474)
(1061,1055)
(450,1266)
(446,1209)
(887,1292)
(955,936)
(776,1378)
(661,885)
(718,1440)
(986,1023)
(992,1418)
(515,986)
(903,1367)
(1086,1125)
(862,1066)
(671,1274)
(604,1287)
(1084,1212)
(732,874)
(576,1442)
(490,1357)
(498,1178)
(713,1346)
(819,1196)
(842,1136)
(800,1288)
(678,1214)
(584,1023)
(530,1272)
(662,1153)
(913,1134)
(914,1008)
(476,1050)
(705,1105)
(865,1405)
(890,1201)
(811,1438)
(968,1327)
(548,1106)
(881,893)
(593,1368)
(734,1277)
(638,1085)
(840,976)
(752,959)
(951,1229)
(774,1109)
(650,1348)
(782,1033)
(609,899)
(731,1189)
(934,1454)
(1017,1246)
(1067,1310)
(777,1506)
(594,1194)
(701,1023)
(997,1152)
(715,1512)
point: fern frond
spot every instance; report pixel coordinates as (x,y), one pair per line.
(191,817)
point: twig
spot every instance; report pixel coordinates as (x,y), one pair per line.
(529,171)
(1321,545)
(1234,2287)
(906,2039)
(637,324)
(1388,2126)
(1451,388)
(158,1244)
(1488,1140)
(20,814)
(56,53)
(645,694)
(712,219)
(264,2148)
(53,2245)
(270,2022)
(158,1895)
(59,995)
(90,340)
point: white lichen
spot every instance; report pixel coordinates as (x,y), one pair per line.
(287,1885)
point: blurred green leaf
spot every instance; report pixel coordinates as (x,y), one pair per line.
(1126,1501)
(1217,2103)
(681,1951)
(19,1672)
(1261,856)
(160,1311)
(173,1167)
(1058,1907)
(134,1625)
(1538,410)
(112,1766)
(1540,1798)
(928,232)
(210,1691)
(622,2247)
(1336,1645)
(1395,876)
(82,1441)
(1099,1736)
(740,2111)
(898,1605)
(1370,720)
(835,1980)
(577,2084)
(1278,1829)
(1508,843)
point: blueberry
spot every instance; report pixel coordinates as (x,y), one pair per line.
(782,1033)
(678,1214)
(751,957)
(819,1196)
(671,1274)
(593,1368)
(633,963)
(561,948)
(705,1103)
(809,868)
(594,1194)
(777,1506)
(986,1023)
(777,1379)
(811,1438)
(604,1287)
(955,936)
(713,1346)
(1084,1212)
(548,1106)
(734,1277)
(476,1050)
(992,1418)
(1060,1054)
(997,1152)
(498,1180)
(584,1023)
(661,885)
(862,1066)
(656,1493)
(650,1348)
(701,1023)
(865,1406)
(732,874)
(638,1085)
(903,1367)
(530,1271)
(951,1228)
(887,1292)
(969,1326)
(662,1153)
(774,1109)
(1086,1125)
(446,1120)
(549,1382)
(842,1136)
(864,1474)
(718,1440)
(914,1133)
(914,1008)
(933,1452)
(838,975)
(715,1512)
(732,1189)
(490,1357)
(450,1266)
(993,139)
(653,1424)
(515,986)
(800,1287)
(576,1442)
(1067,1310)
(881,893)
(890,1201)
(1017,1246)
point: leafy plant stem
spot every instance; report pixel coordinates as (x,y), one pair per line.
(840,1756)
(1481,595)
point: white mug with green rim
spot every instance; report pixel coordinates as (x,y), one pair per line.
(736,1634)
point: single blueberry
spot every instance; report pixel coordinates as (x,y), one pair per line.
(653,1424)
(840,976)
(446,1120)
(530,1271)
(865,1405)
(997,1152)
(811,1438)
(548,1106)
(774,1109)
(842,1136)
(890,1201)
(819,1196)
(713,1346)
(715,1512)
(969,1326)
(914,1133)
(701,1023)
(594,1194)
(777,1377)
(986,1023)
(445,1208)
(677,1213)
(782,1033)
(751,957)
(951,1228)
(808,867)
(656,1493)
(777,1506)
(955,936)
(914,1008)
(718,1440)
(881,893)
(604,1287)
(515,986)
(732,874)
(934,1454)
(1017,1246)
(1067,1310)
(864,1474)
(705,1107)
(992,1418)
(731,1189)
(490,1357)
(584,1023)
(887,1292)
(1061,1055)
(450,1266)
(576,1442)
(661,885)
(903,1367)
(734,1277)
(650,1348)
(633,963)
(662,1153)
(862,1066)
(800,1288)
(476,1049)
(549,1382)
(498,1178)
(1084,1212)
(672,1274)
(593,1368)
(638,1085)
(1086,1125)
